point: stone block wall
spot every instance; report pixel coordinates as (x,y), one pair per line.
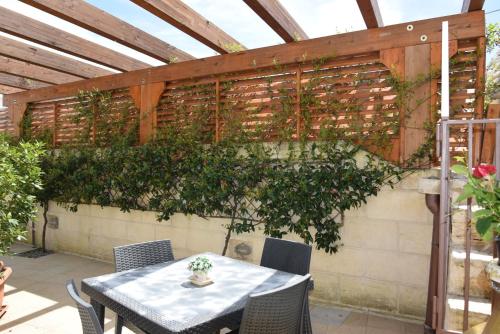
(383,264)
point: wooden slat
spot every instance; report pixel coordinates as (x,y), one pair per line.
(20,82)
(488,140)
(33,55)
(417,62)
(184,18)
(278,18)
(472,5)
(462,26)
(22,26)
(31,71)
(98,21)
(371,13)
(9,90)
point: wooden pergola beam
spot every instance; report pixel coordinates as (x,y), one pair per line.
(278,18)
(31,71)
(35,31)
(461,26)
(20,82)
(85,15)
(472,5)
(9,90)
(33,55)
(184,18)
(371,13)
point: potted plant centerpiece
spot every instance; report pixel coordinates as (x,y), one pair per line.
(200,267)
(483,187)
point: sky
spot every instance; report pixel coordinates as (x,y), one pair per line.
(316,17)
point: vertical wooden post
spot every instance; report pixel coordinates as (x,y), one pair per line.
(394,60)
(479,90)
(150,95)
(488,142)
(417,65)
(217,110)
(16,110)
(298,88)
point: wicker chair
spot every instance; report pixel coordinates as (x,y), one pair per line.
(292,257)
(142,254)
(137,256)
(90,323)
(279,311)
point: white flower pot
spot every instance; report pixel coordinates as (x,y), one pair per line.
(200,276)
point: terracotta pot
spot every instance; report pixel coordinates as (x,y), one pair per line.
(6,272)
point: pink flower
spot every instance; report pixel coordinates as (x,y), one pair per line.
(481,171)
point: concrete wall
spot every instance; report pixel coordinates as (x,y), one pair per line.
(382,265)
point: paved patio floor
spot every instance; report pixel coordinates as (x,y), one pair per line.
(38,302)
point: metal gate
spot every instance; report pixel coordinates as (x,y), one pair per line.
(470,126)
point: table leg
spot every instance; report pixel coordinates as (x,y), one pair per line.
(99,311)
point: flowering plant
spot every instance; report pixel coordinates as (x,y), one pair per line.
(484,188)
(200,264)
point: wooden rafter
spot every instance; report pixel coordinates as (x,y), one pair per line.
(85,15)
(9,90)
(184,18)
(31,71)
(33,55)
(472,5)
(278,18)
(462,26)
(371,13)
(20,82)
(22,26)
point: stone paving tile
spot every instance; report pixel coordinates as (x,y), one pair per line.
(38,302)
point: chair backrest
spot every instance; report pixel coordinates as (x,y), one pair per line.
(290,256)
(90,323)
(142,254)
(277,311)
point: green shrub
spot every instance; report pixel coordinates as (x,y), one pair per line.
(19,181)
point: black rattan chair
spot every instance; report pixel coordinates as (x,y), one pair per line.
(279,311)
(142,254)
(292,257)
(90,323)
(137,256)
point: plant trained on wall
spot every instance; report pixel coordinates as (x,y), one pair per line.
(257,172)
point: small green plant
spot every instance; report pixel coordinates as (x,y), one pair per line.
(483,187)
(201,264)
(20,178)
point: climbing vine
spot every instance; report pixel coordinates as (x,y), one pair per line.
(280,173)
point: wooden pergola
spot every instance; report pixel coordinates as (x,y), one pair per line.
(29,75)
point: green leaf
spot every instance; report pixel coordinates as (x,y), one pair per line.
(483,225)
(460,169)
(467,192)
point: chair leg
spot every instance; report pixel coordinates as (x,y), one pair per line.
(119,325)
(306,322)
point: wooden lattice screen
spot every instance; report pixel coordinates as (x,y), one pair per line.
(59,119)
(465,93)
(352,94)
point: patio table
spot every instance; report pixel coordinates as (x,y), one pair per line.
(161,299)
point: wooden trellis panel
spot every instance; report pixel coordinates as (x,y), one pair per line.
(355,97)
(6,125)
(186,104)
(464,93)
(256,102)
(60,118)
